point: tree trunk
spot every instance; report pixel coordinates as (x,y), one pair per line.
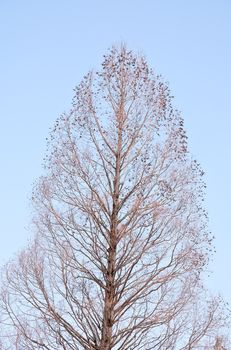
(109,302)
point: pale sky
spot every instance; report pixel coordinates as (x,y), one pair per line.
(48,45)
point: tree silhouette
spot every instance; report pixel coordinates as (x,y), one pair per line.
(121,234)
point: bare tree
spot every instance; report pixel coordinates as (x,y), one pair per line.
(121,238)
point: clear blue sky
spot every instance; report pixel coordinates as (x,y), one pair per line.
(48,45)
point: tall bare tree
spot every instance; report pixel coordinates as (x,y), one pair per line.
(121,233)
